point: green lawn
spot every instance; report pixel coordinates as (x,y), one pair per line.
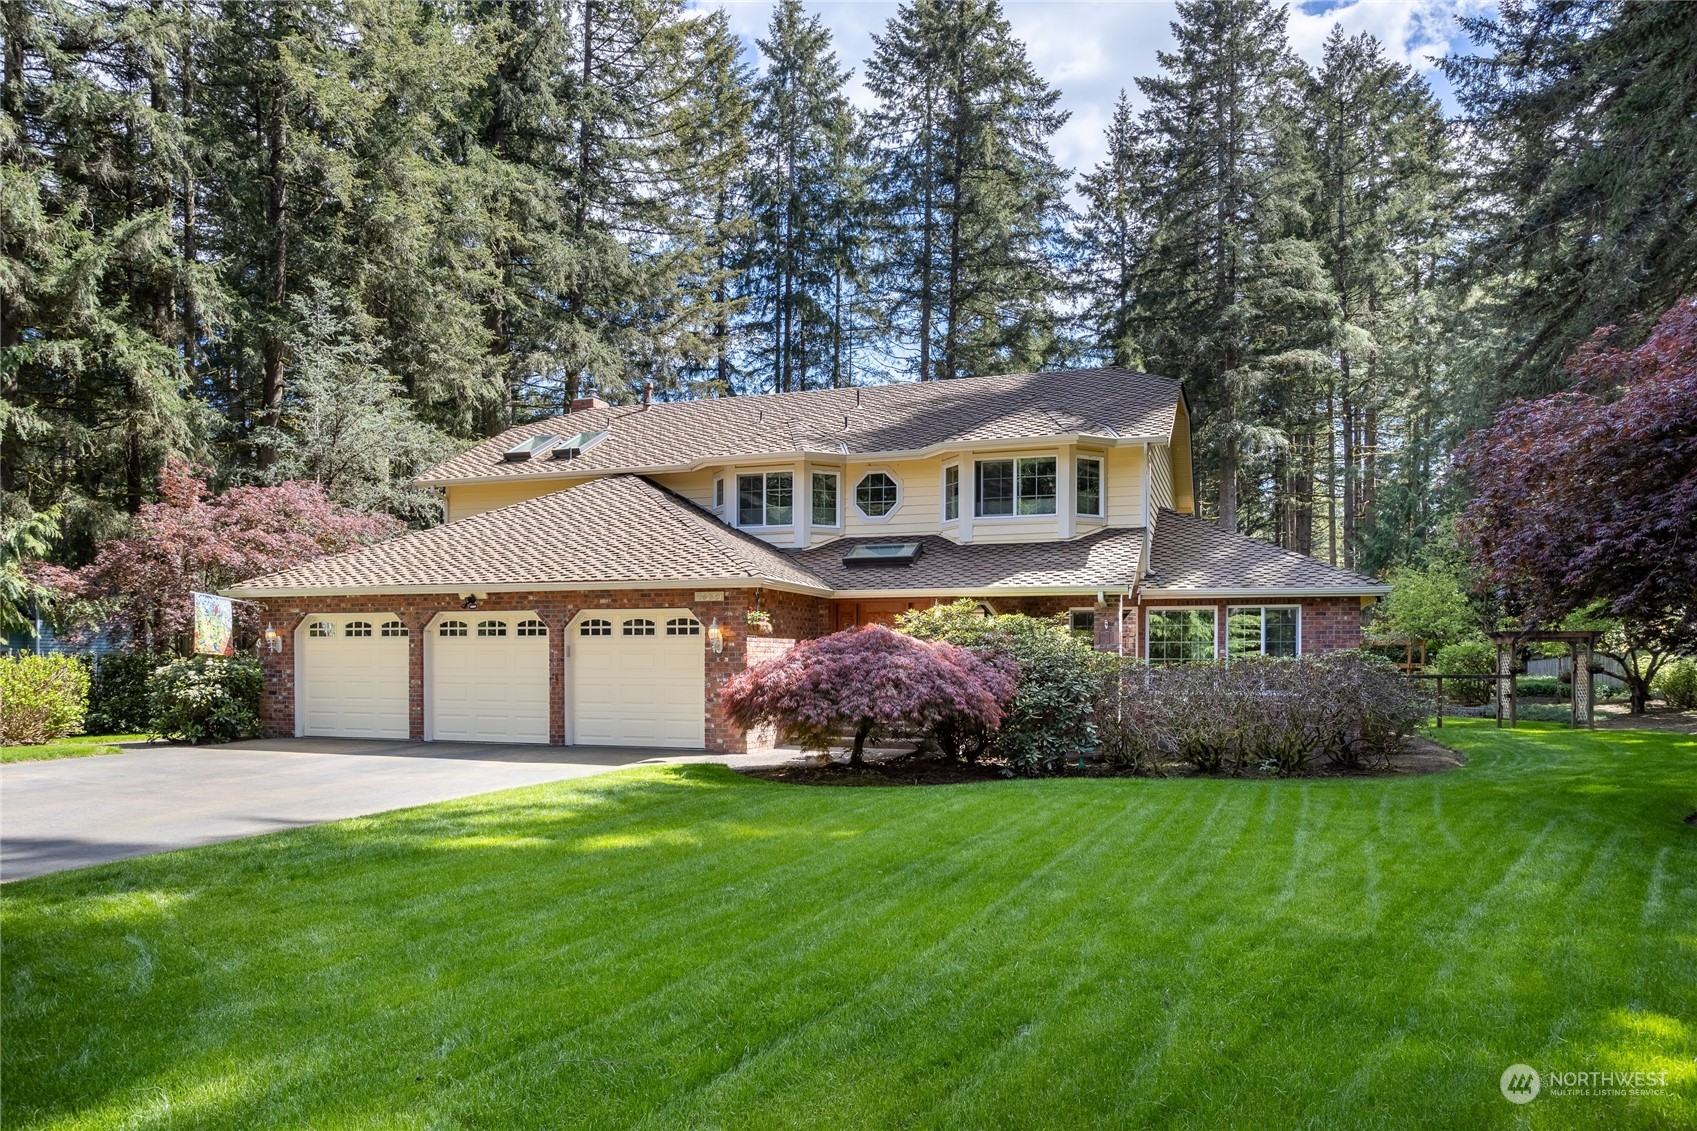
(77,746)
(681,947)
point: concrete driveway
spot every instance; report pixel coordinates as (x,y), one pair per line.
(73,812)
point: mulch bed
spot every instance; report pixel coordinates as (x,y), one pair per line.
(1419,756)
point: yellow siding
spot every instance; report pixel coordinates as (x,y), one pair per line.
(1161,477)
(696,486)
(467,499)
(919,509)
(1184,488)
(1125,487)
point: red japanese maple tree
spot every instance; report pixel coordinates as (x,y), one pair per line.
(192,540)
(1588,498)
(868,681)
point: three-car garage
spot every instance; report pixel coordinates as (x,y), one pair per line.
(631,677)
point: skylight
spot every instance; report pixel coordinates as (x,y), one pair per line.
(882,553)
(527,449)
(573,446)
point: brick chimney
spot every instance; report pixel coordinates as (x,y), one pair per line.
(584,404)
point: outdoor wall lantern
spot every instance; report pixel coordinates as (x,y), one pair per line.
(716,636)
(273,639)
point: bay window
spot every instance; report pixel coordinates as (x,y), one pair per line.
(766,500)
(824,498)
(1015,486)
(1088,487)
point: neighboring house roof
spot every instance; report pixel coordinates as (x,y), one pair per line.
(911,417)
(616,532)
(1194,557)
(1107,560)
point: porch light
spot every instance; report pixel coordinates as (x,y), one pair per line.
(716,636)
(273,639)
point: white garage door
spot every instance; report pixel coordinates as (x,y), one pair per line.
(489,679)
(639,679)
(353,676)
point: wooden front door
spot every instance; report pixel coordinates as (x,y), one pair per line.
(853,614)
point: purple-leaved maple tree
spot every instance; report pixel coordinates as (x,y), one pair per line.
(1587,500)
(869,681)
(192,540)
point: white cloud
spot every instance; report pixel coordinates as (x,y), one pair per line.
(1091,50)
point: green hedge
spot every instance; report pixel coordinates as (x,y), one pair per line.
(41,698)
(117,699)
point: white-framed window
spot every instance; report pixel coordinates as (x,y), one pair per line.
(766,499)
(638,626)
(951,492)
(1263,630)
(595,626)
(393,628)
(1082,623)
(531,627)
(321,628)
(683,626)
(719,494)
(826,510)
(1180,636)
(357,628)
(492,628)
(1015,487)
(452,628)
(877,494)
(1088,487)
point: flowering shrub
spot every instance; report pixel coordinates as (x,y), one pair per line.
(41,698)
(1049,721)
(206,699)
(867,682)
(1256,716)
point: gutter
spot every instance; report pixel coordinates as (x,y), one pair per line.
(1150,594)
(457,587)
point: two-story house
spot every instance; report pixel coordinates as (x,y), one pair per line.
(602,574)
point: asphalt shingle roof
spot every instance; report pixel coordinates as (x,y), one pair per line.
(1192,554)
(873,419)
(1098,561)
(618,529)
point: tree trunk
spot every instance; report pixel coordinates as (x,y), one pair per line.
(1347,411)
(1228,484)
(276,205)
(860,735)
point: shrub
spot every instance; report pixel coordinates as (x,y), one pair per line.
(117,697)
(868,682)
(206,699)
(1256,716)
(1541,685)
(1676,685)
(41,698)
(1050,720)
(1470,657)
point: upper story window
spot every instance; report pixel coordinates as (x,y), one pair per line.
(719,494)
(825,498)
(766,500)
(876,494)
(1016,486)
(951,492)
(1089,486)
(1255,630)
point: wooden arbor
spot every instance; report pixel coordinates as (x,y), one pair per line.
(1580,645)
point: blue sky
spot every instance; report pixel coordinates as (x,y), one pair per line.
(1091,49)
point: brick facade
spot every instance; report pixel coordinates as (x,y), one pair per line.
(1328,624)
(794,617)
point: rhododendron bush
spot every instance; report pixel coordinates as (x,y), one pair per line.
(192,540)
(867,682)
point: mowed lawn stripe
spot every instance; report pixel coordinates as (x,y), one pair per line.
(680,947)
